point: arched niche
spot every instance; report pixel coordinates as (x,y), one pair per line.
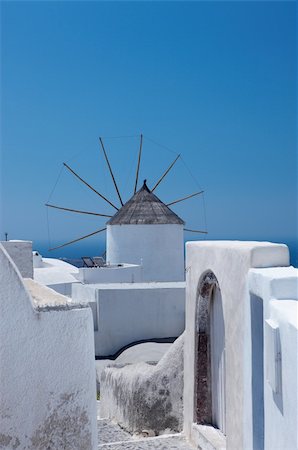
(210,353)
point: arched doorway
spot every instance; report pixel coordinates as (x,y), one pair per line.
(210,355)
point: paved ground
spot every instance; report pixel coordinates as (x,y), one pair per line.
(110,432)
(112,437)
(157,443)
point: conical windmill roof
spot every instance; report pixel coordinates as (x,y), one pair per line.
(144,208)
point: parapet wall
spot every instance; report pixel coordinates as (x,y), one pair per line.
(47,376)
(146,397)
(122,273)
(125,313)
(21,254)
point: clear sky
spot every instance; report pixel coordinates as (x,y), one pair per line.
(214,81)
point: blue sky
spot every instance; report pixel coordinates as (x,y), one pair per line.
(214,81)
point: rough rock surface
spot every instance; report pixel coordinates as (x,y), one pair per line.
(146,397)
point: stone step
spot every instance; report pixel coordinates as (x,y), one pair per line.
(109,431)
(155,443)
(112,437)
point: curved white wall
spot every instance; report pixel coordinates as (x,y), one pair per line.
(160,248)
(47,376)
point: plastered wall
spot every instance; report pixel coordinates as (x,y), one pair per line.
(159,248)
(276,291)
(230,262)
(128,312)
(47,372)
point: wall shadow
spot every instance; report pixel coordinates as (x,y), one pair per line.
(257,366)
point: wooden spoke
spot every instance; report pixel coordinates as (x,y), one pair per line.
(79,239)
(77,210)
(90,187)
(110,169)
(196,231)
(138,166)
(184,198)
(165,173)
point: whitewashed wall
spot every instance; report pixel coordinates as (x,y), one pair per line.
(21,254)
(230,262)
(37,260)
(159,248)
(276,292)
(143,396)
(127,273)
(47,375)
(55,273)
(125,313)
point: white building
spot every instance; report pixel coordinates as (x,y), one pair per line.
(240,362)
(54,273)
(145,231)
(125,313)
(140,293)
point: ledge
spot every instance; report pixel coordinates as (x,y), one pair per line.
(46,299)
(208,438)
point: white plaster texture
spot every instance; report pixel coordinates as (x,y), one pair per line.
(230,262)
(56,274)
(145,352)
(47,375)
(208,437)
(21,254)
(277,289)
(124,273)
(124,313)
(159,248)
(146,397)
(37,260)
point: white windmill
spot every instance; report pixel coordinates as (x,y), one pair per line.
(144,230)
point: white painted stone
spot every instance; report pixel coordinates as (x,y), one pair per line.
(230,262)
(146,352)
(277,291)
(273,361)
(146,397)
(47,376)
(55,273)
(124,313)
(37,260)
(21,254)
(206,437)
(158,248)
(122,273)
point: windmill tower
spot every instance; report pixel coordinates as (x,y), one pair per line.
(146,231)
(143,231)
